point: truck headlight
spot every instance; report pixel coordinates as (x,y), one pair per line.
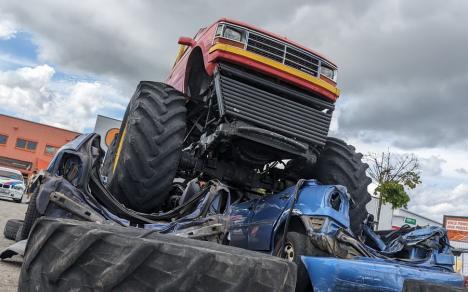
(327,72)
(232,34)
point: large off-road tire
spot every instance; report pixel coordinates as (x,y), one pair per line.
(339,163)
(70,255)
(148,147)
(11,228)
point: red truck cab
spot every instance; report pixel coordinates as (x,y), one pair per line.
(250,47)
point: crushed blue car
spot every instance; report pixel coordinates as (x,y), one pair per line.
(307,223)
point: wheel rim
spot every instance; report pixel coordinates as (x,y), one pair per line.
(288,251)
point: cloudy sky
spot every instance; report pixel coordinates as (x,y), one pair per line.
(403,69)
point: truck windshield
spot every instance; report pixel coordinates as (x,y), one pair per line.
(12,175)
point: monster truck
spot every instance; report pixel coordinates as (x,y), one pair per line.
(241,105)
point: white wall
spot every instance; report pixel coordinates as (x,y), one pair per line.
(386,213)
(464,256)
(390,217)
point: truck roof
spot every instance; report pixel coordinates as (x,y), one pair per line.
(285,39)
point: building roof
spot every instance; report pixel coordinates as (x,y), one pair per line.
(40,124)
(416,214)
(106,117)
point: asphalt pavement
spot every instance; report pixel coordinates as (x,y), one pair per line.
(9,269)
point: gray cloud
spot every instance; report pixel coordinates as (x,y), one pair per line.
(131,41)
(436,200)
(402,72)
(431,166)
(461,170)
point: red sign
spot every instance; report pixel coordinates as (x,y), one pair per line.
(457,228)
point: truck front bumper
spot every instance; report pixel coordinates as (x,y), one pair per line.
(273,68)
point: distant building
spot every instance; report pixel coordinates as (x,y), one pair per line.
(395,218)
(29,146)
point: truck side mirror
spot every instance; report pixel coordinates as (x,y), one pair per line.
(186,41)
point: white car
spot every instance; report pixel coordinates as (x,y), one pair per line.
(11,184)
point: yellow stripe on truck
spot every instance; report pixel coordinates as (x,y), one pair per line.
(276,65)
(119,149)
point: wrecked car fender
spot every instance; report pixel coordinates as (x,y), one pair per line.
(332,274)
(260,222)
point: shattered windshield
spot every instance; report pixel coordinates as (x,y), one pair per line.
(12,175)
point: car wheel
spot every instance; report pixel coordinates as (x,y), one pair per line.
(30,217)
(295,245)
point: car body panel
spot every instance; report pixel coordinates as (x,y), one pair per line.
(240,217)
(270,212)
(365,274)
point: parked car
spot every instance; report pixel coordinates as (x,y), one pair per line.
(11,184)
(307,224)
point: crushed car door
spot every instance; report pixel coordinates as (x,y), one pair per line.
(240,216)
(266,213)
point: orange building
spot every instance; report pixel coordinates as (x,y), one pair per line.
(29,146)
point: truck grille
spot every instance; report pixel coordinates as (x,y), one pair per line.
(293,114)
(285,53)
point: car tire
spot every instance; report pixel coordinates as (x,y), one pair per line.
(18,200)
(296,245)
(148,147)
(30,217)
(11,228)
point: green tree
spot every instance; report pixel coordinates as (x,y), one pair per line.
(394,175)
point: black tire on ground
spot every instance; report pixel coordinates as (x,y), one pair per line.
(339,163)
(19,232)
(11,228)
(70,255)
(148,147)
(29,218)
(18,200)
